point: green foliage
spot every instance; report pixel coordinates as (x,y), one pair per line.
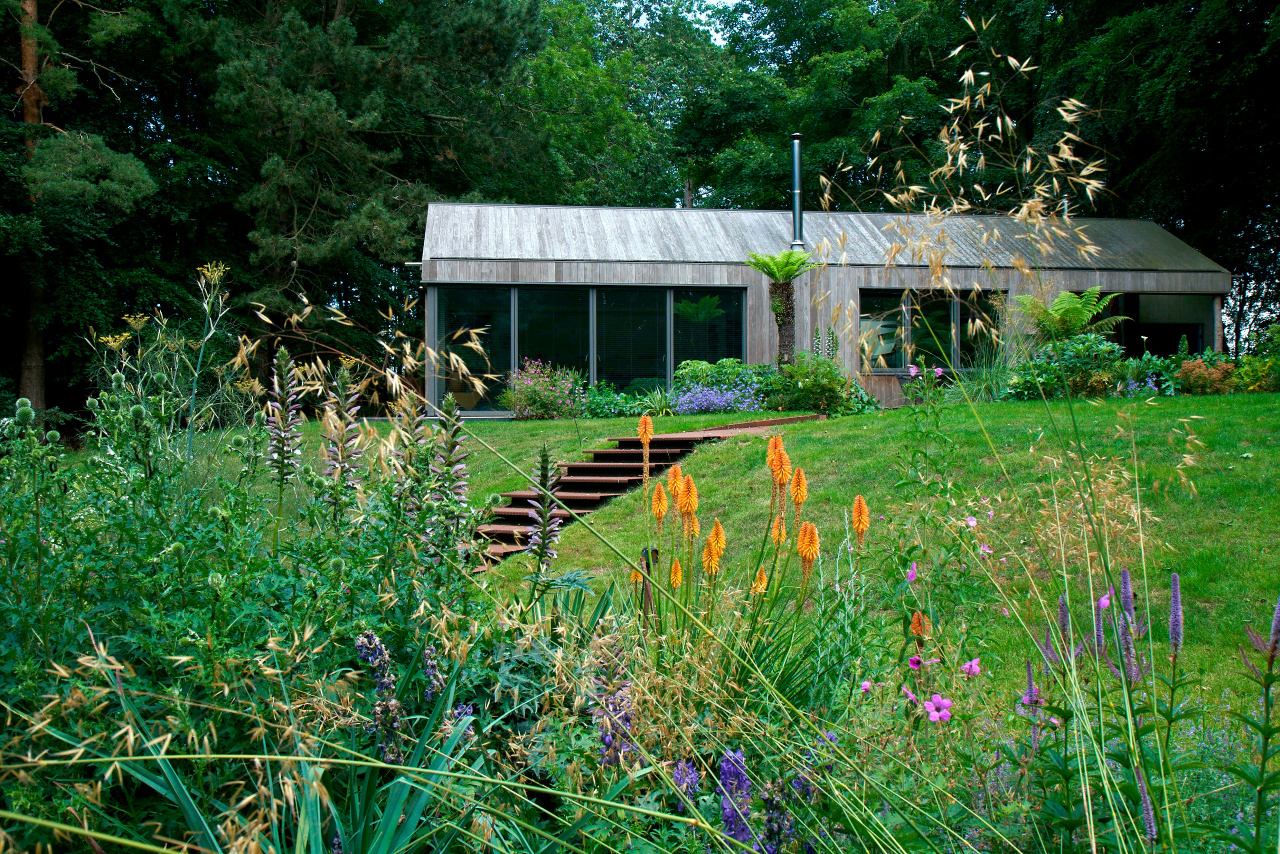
(725,373)
(541,391)
(1082,366)
(817,384)
(1257,373)
(1070,314)
(1196,377)
(784,267)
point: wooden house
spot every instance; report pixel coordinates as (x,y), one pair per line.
(625,294)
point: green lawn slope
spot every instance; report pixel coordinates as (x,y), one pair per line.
(1208,469)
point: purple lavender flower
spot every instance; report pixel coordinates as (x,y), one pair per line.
(1175,614)
(686,778)
(735,796)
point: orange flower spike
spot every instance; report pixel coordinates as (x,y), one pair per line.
(779,532)
(645,430)
(636,576)
(710,558)
(807,544)
(687,501)
(674,478)
(861,518)
(782,474)
(917,625)
(659,503)
(677,573)
(716,538)
(761,583)
(771,455)
(695,528)
(799,489)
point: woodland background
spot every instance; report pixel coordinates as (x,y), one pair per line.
(300,143)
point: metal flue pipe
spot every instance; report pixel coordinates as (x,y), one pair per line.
(797,206)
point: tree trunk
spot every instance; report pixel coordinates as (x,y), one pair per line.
(782,299)
(31,375)
(32,94)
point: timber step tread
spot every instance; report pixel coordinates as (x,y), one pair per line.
(624,463)
(523,513)
(531,494)
(614,465)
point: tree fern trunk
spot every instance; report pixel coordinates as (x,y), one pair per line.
(782,299)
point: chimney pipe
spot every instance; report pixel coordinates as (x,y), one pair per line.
(797,209)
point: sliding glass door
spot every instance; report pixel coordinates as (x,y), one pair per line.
(629,336)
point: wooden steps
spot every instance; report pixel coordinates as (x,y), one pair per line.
(585,486)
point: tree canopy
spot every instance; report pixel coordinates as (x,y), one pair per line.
(300,143)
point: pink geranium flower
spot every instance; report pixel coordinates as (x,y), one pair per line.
(939,708)
(971,669)
(937,372)
(911,573)
(915,661)
(971,522)
(913,371)
(910,696)
(1105,602)
(866,686)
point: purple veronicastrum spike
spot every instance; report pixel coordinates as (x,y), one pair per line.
(1175,614)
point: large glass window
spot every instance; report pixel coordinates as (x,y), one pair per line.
(931,328)
(555,326)
(474,329)
(707,323)
(883,340)
(979,327)
(631,337)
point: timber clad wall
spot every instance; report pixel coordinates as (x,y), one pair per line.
(637,247)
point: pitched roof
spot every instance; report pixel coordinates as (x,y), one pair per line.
(698,235)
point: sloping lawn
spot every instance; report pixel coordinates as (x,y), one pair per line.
(1221,538)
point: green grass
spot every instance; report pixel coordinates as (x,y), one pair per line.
(1222,538)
